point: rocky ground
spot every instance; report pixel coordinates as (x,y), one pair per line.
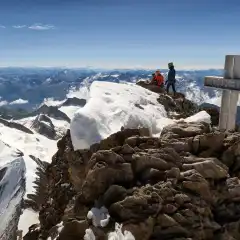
(183,185)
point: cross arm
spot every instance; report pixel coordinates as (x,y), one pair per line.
(221,82)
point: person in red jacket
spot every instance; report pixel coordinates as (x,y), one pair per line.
(158,79)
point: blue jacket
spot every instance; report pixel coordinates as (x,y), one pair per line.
(171,76)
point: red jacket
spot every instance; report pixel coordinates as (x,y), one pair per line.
(159,78)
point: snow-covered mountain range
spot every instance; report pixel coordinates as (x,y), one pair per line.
(38,105)
(26,88)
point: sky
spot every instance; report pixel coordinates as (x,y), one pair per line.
(118,33)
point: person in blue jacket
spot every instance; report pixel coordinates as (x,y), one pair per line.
(171,80)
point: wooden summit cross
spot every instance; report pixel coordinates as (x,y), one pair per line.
(230,84)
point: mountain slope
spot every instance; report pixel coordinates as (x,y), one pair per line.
(12,189)
(109,108)
(181,185)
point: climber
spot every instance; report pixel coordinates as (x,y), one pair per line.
(171,81)
(157,79)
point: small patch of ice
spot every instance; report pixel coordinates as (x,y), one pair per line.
(89,235)
(119,235)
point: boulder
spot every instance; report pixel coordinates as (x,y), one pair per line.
(175,232)
(194,182)
(203,144)
(184,130)
(213,111)
(210,168)
(142,230)
(231,157)
(73,230)
(137,207)
(114,194)
(143,161)
(104,169)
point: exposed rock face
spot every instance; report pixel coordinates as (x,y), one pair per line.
(52,200)
(34,201)
(178,106)
(213,111)
(183,185)
(74,102)
(15,125)
(52,111)
(151,87)
(43,125)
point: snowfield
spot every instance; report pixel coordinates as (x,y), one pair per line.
(29,144)
(113,105)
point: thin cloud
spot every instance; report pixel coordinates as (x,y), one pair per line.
(41,27)
(19,26)
(18,101)
(1,26)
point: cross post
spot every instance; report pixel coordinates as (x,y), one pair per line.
(230,84)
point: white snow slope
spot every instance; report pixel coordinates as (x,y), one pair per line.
(29,144)
(12,177)
(111,106)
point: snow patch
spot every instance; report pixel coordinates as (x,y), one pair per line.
(89,235)
(7,153)
(119,235)
(69,110)
(99,216)
(113,105)
(65,185)
(30,144)
(115,75)
(60,227)
(30,217)
(199,117)
(52,102)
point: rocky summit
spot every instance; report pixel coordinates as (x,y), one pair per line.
(183,185)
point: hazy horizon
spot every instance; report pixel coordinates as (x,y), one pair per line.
(110,68)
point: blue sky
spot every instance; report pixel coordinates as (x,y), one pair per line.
(118,33)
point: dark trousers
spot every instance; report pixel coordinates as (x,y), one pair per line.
(171,85)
